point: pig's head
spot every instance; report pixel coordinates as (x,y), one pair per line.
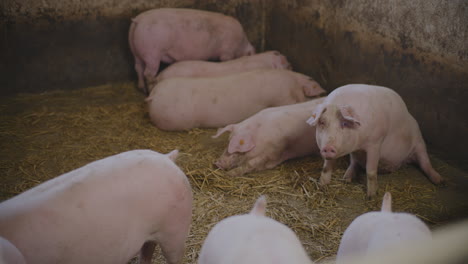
(239,144)
(279,61)
(309,85)
(337,130)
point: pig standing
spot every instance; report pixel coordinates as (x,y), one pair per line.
(375,231)
(372,124)
(185,103)
(104,212)
(252,238)
(268,138)
(175,34)
(265,60)
(9,254)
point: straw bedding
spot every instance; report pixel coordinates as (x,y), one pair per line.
(45,135)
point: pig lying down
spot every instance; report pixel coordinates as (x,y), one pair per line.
(265,60)
(185,103)
(376,231)
(252,239)
(372,124)
(268,138)
(9,254)
(105,212)
(176,34)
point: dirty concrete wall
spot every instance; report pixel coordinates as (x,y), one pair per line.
(68,44)
(419,48)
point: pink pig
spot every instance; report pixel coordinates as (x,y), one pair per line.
(375,231)
(185,103)
(104,212)
(176,34)
(9,254)
(252,239)
(372,124)
(268,138)
(265,60)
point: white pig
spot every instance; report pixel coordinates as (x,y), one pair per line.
(252,239)
(448,245)
(265,60)
(9,254)
(185,103)
(375,231)
(268,138)
(372,124)
(176,34)
(105,212)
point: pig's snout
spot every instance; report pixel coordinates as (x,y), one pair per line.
(219,164)
(285,63)
(328,152)
(222,164)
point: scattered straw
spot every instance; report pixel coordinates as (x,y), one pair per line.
(45,135)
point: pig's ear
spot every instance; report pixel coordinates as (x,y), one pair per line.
(173,155)
(224,129)
(313,88)
(259,207)
(387,203)
(347,112)
(241,143)
(312,121)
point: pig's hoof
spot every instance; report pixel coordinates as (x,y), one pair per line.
(348,178)
(324,181)
(371,194)
(235,173)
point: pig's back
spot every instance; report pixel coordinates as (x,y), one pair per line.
(185,34)
(102,198)
(253,239)
(376,230)
(218,101)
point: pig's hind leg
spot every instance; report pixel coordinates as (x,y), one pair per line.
(151,69)
(139,68)
(422,159)
(255,164)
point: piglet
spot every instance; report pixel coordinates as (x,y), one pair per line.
(176,34)
(268,138)
(9,254)
(185,103)
(252,239)
(448,245)
(265,60)
(376,231)
(372,124)
(104,212)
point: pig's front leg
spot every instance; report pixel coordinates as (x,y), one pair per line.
(146,253)
(256,163)
(372,164)
(327,170)
(352,169)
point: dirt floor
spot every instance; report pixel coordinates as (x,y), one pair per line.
(45,135)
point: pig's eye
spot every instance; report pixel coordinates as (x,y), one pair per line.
(321,123)
(346,124)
